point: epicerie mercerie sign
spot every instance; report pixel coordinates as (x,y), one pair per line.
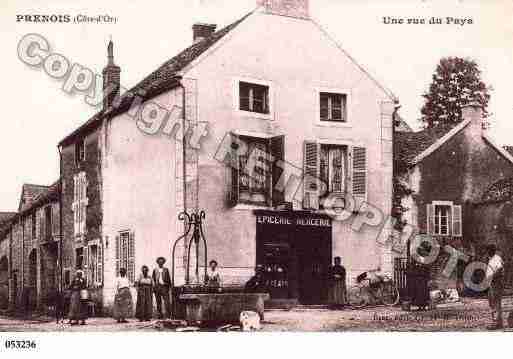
(293,221)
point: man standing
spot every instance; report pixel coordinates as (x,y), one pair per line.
(495,276)
(162,284)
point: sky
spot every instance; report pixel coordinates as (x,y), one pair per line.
(38,114)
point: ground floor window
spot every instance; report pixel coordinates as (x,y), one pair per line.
(125,253)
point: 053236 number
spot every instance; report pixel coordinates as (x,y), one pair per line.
(20,344)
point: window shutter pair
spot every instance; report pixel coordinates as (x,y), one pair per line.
(357,183)
(276,147)
(454,220)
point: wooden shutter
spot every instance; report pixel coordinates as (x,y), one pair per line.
(311,175)
(277,149)
(42,223)
(233,192)
(99,263)
(457,221)
(131,257)
(430,219)
(87,272)
(359,173)
(118,254)
(75,206)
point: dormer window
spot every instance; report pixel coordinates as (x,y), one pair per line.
(79,151)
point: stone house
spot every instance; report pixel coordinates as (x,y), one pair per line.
(29,247)
(442,174)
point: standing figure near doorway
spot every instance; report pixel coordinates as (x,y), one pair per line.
(78,306)
(337,284)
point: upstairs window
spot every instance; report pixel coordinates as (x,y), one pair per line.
(444,219)
(255,170)
(79,151)
(333,167)
(253,97)
(333,107)
(331,171)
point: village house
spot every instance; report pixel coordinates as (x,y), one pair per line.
(317,125)
(29,249)
(452,184)
(295,97)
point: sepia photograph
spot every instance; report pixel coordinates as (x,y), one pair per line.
(255,166)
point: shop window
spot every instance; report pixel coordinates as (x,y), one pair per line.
(253,97)
(333,107)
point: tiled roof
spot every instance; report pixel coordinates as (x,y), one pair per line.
(402,125)
(408,145)
(162,79)
(5,216)
(509,149)
(29,192)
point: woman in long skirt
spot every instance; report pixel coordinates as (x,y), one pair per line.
(78,307)
(123,305)
(144,307)
(337,282)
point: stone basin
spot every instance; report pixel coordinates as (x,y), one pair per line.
(220,308)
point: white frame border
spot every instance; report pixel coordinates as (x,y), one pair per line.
(349,112)
(236,98)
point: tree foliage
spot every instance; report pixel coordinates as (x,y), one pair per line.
(456,82)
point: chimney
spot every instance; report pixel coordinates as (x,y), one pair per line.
(111,78)
(293,8)
(201,31)
(473,111)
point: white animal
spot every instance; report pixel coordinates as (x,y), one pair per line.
(249,321)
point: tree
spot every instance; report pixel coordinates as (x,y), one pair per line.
(456,82)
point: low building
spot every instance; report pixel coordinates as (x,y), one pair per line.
(442,173)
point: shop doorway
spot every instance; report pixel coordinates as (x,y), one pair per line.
(295,250)
(314,260)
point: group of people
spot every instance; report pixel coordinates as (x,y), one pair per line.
(158,285)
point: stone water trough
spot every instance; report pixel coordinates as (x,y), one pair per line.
(220,308)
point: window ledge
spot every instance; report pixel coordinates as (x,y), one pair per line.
(333,124)
(249,207)
(255,115)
